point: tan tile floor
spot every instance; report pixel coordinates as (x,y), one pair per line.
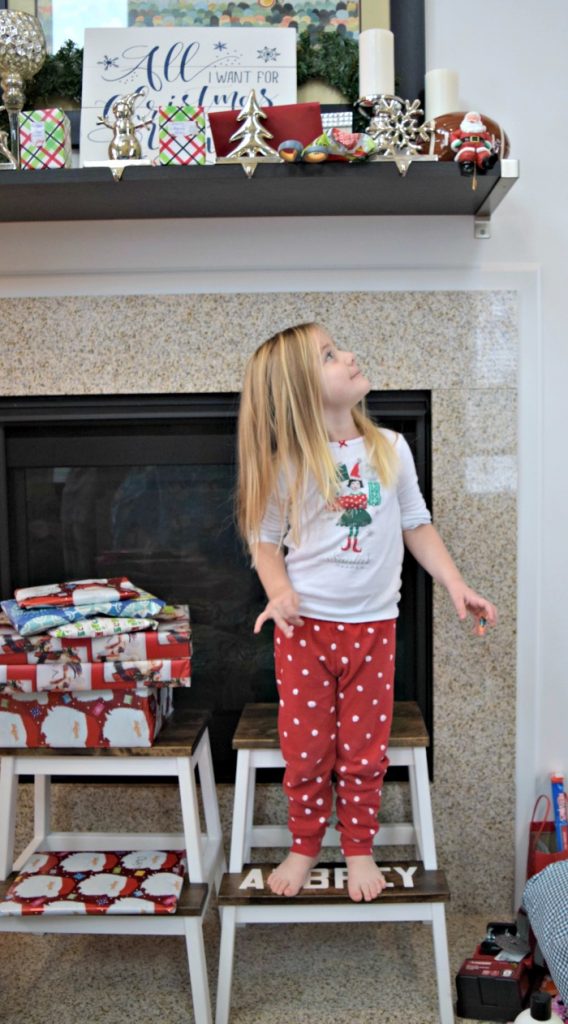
(284,974)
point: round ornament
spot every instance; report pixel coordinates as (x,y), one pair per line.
(290,151)
(448,124)
(315,154)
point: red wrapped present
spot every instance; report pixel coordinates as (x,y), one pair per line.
(71,674)
(170,642)
(77,592)
(117,882)
(98,718)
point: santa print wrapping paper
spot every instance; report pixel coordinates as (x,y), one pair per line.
(149,652)
(69,674)
(45,139)
(181,135)
(77,592)
(38,620)
(121,882)
(103,718)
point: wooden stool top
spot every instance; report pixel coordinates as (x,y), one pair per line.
(178,738)
(407,882)
(191,902)
(258,727)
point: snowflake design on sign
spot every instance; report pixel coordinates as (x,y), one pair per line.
(108,62)
(267,54)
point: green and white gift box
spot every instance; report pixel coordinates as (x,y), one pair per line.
(45,139)
(181,135)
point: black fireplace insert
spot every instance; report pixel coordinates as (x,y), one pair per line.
(143,486)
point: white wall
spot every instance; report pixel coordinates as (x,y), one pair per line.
(511,55)
(512,64)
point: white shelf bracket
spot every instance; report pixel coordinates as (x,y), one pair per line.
(482,226)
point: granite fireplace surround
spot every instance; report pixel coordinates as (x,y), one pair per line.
(462,346)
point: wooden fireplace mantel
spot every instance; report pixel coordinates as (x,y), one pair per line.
(279,190)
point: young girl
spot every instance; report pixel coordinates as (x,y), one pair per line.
(326,502)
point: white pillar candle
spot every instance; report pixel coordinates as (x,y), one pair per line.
(376,62)
(442,92)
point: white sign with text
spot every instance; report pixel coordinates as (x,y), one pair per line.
(213,68)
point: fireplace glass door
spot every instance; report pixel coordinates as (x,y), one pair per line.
(144,487)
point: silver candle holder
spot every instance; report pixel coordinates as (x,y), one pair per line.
(22,53)
(397,127)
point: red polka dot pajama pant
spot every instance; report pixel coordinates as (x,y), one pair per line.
(335,685)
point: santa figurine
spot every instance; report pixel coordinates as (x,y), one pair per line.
(474,146)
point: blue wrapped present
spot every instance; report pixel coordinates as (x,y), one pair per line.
(38,620)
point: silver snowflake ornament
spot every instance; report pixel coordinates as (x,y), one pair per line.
(397,127)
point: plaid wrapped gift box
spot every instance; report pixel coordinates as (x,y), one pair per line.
(97,718)
(45,139)
(181,135)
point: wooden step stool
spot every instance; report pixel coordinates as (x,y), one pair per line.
(412,894)
(181,747)
(187,921)
(257,745)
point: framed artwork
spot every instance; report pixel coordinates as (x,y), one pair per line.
(66,19)
(335,15)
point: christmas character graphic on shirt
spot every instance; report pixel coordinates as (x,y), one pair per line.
(357,496)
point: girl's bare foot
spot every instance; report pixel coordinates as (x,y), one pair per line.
(364,880)
(290,876)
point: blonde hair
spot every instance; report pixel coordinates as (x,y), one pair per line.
(281,430)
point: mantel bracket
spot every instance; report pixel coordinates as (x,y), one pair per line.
(482,226)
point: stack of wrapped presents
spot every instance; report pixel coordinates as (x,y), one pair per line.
(89,663)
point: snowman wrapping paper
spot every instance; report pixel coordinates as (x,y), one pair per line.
(118,882)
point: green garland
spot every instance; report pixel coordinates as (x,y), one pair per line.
(331,58)
(327,56)
(60,77)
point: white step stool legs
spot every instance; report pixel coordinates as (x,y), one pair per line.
(205,851)
(311,912)
(246,835)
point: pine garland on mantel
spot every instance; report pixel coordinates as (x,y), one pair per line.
(331,58)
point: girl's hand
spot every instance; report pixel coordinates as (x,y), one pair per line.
(466,600)
(283,609)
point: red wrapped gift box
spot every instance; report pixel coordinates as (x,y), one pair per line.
(117,882)
(70,675)
(121,661)
(97,718)
(300,121)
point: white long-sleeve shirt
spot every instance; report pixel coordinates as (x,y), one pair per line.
(347,565)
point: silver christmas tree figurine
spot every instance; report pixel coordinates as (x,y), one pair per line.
(252,149)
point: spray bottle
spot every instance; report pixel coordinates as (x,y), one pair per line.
(540,1009)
